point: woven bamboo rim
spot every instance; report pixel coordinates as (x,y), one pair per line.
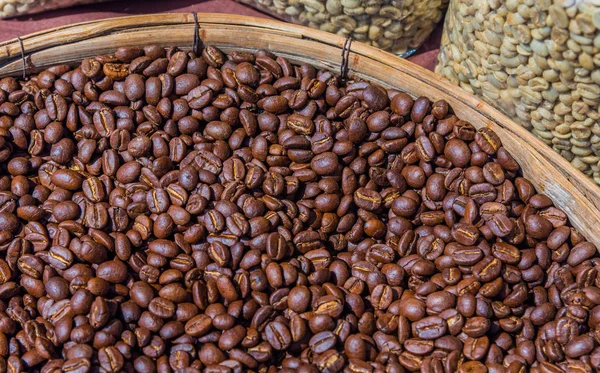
(570,190)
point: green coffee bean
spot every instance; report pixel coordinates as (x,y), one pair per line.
(399,26)
(538,62)
(13,8)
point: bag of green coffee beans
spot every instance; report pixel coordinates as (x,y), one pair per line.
(15,8)
(398,26)
(538,62)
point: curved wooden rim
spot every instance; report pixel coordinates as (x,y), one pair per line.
(572,191)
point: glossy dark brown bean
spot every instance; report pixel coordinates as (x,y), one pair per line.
(431,327)
(171,210)
(278,335)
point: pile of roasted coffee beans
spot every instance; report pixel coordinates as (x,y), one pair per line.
(162,211)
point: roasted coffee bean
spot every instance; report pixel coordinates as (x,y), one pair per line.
(198,326)
(538,227)
(431,327)
(367,199)
(170,210)
(278,335)
(67,179)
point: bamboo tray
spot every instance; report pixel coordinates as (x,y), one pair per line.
(571,191)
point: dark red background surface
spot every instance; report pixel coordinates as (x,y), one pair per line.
(12,28)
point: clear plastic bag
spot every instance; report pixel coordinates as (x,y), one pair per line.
(538,61)
(15,8)
(398,26)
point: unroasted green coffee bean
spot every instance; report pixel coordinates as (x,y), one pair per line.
(394,25)
(13,8)
(536,63)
